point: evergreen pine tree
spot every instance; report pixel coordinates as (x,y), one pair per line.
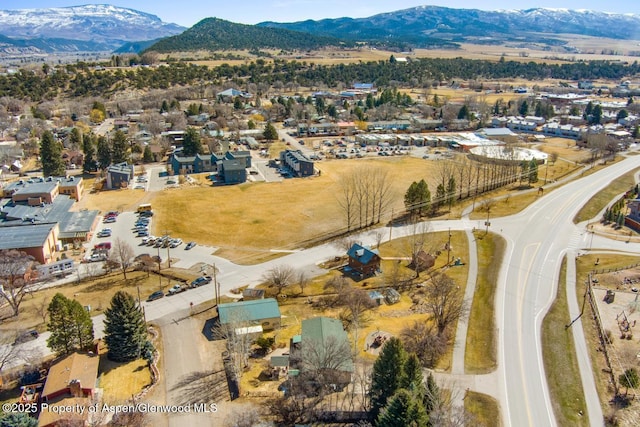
(70,326)
(431,395)
(89,150)
(524,108)
(403,411)
(51,155)
(191,144)
(451,191)
(124,329)
(463,113)
(147,155)
(441,194)
(75,139)
(104,153)
(60,341)
(270,133)
(386,375)
(119,148)
(17,419)
(412,378)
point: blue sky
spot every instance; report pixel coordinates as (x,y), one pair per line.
(188,12)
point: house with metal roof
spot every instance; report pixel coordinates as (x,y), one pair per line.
(264,312)
(363,262)
(322,352)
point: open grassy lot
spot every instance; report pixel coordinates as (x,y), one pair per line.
(96,293)
(606,195)
(481,343)
(484,408)
(560,362)
(254,217)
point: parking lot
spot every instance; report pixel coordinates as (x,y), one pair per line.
(124,229)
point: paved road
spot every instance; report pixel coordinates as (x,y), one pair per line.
(538,238)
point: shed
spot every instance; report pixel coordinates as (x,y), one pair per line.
(391,296)
(376,297)
(263,312)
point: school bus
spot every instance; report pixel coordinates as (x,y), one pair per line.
(145,207)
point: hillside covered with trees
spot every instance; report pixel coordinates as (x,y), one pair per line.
(218,34)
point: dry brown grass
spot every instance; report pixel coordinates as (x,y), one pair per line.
(484,408)
(248,219)
(120,381)
(96,293)
(481,341)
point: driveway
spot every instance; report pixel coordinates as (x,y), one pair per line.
(193,371)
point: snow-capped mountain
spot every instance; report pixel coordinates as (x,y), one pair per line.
(104,25)
(423,24)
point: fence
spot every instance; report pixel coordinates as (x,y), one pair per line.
(604,341)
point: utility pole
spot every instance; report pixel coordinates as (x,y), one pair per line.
(216,289)
(391,224)
(144,316)
(449,247)
(487,223)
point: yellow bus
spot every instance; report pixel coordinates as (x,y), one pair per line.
(145,207)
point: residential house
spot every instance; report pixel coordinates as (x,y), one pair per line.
(259,312)
(321,353)
(363,262)
(119,175)
(296,162)
(232,171)
(71,381)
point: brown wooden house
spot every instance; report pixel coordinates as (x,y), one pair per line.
(363,262)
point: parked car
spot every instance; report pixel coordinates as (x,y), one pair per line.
(190,245)
(96,257)
(26,336)
(112,213)
(200,281)
(109,219)
(176,289)
(143,233)
(144,214)
(156,295)
(102,246)
(104,233)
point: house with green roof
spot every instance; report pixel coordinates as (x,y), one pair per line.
(322,353)
(262,312)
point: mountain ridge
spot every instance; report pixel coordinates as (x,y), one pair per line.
(95,27)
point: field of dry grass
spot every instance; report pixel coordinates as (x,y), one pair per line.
(255,217)
(96,293)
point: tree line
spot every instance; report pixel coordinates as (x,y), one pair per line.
(83,79)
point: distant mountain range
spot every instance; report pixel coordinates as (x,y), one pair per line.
(424,24)
(78,28)
(111,28)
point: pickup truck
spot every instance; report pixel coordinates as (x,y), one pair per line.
(176,289)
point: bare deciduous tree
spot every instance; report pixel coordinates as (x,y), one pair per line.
(16,272)
(421,339)
(365,196)
(122,254)
(445,301)
(279,277)
(239,340)
(303,280)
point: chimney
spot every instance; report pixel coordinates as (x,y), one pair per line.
(75,388)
